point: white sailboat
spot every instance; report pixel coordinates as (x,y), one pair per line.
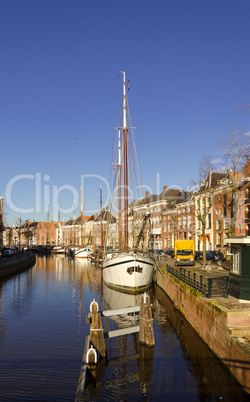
(129,270)
(84,252)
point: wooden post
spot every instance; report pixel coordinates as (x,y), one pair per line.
(91,360)
(96,330)
(146,333)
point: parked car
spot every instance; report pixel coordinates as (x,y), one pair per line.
(198,255)
(7,253)
(169,252)
(212,255)
(13,250)
(220,255)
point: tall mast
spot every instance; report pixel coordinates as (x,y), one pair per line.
(119,190)
(74,225)
(81,200)
(81,219)
(48,237)
(125,146)
(101,217)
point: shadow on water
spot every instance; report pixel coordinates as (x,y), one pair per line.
(180,367)
(212,378)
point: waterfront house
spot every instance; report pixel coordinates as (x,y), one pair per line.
(109,229)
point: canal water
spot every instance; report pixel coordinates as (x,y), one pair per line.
(42,335)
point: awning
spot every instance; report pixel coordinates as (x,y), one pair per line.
(207,236)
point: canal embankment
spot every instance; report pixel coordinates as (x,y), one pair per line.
(222,322)
(17,263)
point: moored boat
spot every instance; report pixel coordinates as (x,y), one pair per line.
(83,252)
(129,270)
(58,250)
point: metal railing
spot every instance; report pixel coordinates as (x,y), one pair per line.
(209,287)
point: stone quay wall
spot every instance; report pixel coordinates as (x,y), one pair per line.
(213,322)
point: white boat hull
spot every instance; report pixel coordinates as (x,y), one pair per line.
(129,272)
(83,253)
(58,250)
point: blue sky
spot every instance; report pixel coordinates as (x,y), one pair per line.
(188,63)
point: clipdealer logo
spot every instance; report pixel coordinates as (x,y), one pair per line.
(43,193)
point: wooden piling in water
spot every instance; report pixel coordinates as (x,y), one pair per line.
(146,333)
(96,329)
(95,343)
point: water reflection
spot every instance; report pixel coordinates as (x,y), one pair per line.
(43,329)
(212,379)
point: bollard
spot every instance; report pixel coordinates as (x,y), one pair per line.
(96,330)
(91,360)
(146,333)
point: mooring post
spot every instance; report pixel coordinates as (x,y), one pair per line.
(146,332)
(91,360)
(96,330)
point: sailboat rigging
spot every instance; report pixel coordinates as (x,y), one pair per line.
(127,270)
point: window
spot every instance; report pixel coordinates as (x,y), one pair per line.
(184,210)
(218,225)
(236,260)
(189,209)
(209,221)
(184,222)
(169,226)
(218,239)
(179,223)
(224,211)
(189,222)
(226,224)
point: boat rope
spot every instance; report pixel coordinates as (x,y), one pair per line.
(133,138)
(146,319)
(96,329)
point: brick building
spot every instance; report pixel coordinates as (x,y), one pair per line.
(46,233)
(178,222)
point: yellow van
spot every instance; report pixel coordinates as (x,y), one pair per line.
(184,252)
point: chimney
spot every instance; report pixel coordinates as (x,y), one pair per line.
(147,193)
(165,188)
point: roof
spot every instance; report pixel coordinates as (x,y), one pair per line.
(106,216)
(168,195)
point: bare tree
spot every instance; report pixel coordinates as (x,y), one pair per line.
(203,202)
(235,149)
(27,233)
